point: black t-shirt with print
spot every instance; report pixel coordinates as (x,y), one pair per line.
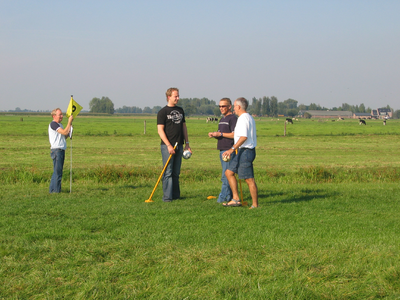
(172,118)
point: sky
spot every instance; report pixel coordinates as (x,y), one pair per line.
(326,52)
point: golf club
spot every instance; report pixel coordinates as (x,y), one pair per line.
(240,185)
(244,203)
(159,178)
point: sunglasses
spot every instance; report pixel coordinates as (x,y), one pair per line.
(223,106)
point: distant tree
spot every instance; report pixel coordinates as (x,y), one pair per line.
(103,105)
(346,107)
(129,110)
(217,112)
(281,108)
(147,110)
(274,106)
(314,106)
(302,107)
(361,108)
(396,114)
(190,110)
(156,109)
(252,109)
(290,103)
(292,112)
(206,109)
(265,110)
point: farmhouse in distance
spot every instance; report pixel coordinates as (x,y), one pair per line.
(380,113)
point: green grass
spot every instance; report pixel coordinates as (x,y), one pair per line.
(327,226)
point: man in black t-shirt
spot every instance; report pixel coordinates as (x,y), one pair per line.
(224,135)
(171,127)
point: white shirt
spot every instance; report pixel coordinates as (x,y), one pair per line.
(56,139)
(246,126)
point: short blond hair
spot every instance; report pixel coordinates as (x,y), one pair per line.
(54,111)
(226,100)
(169,92)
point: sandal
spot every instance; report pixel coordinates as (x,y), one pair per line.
(235,203)
(251,207)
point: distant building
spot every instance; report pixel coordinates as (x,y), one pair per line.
(327,114)
(380,113)
(362,116)
(383,113)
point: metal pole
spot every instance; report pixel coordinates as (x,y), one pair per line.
(70,172)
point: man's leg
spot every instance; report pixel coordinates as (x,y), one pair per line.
(58,157)
(176,171)
(230,175)
(167,184)
(53,179)
(253,190)
(226,193)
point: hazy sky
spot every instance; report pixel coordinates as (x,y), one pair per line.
(323,52)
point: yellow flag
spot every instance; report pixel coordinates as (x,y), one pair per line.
(73,108)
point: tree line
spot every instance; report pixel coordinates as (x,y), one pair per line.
(265,106)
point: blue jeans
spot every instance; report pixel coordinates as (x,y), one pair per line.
(58,156)
(170,179)
(226,192)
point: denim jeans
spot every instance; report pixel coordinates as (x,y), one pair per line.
(226,193)
(243,163)
(170,179)
(58,156)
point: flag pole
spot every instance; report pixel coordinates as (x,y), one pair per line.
(70,169)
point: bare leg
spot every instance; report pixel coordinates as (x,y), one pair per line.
(233,184)
(253,190)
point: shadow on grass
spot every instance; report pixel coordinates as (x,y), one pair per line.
(303,195)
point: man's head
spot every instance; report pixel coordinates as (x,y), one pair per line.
(240,106)
(172,96)
(225,106)
(57,115)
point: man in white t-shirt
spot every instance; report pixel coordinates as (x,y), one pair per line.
(245,140)
(58,145)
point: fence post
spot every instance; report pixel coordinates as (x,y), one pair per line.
(284,132)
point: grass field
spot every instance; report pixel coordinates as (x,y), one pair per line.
(327,226)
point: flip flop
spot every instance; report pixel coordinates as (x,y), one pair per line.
(235,204)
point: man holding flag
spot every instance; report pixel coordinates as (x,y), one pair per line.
(58,144)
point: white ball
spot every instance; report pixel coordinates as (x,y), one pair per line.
(187,154)
(226,158)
